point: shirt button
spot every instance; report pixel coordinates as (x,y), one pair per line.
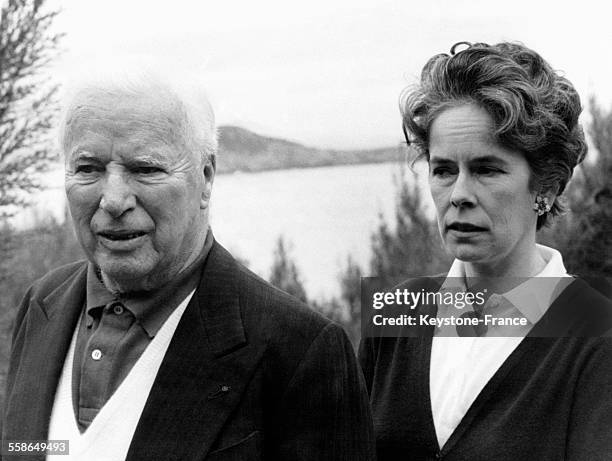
(96,354)
(118,309)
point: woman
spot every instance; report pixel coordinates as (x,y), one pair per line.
(499,129)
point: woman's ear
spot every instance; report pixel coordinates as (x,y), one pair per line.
(550,194)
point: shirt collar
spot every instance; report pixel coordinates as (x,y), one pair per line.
(97,295)
(533,297)
(151,308)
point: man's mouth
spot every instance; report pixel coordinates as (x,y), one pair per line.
(465,227)
(121,235)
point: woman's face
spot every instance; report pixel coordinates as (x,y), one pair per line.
(481,191)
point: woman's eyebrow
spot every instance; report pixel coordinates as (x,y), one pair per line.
(488,159)
(440,160)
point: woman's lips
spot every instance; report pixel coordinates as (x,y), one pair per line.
(465,227)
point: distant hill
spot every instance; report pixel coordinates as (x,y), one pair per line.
(243,150)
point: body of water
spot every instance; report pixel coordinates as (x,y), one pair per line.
(324,213)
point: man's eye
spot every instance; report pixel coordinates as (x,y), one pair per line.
(87,169)
(147,170)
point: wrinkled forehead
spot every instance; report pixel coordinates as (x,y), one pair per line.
(127,117)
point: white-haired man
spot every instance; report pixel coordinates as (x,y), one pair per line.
(161,346)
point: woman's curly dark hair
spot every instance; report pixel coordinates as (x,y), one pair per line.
(534,109)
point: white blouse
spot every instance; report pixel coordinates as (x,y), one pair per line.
(462,366)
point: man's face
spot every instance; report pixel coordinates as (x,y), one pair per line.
(138,196)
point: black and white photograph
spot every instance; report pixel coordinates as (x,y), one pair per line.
(326,230)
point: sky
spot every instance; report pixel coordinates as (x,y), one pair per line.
(326,73)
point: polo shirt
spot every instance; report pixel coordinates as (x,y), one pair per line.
(116,328)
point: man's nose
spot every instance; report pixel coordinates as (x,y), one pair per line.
(117,195)
(462,194)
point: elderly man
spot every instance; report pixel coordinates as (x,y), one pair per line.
(162,346)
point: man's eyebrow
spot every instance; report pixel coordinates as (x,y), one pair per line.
(148,159)
(83,154)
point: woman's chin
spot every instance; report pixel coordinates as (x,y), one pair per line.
(468,253)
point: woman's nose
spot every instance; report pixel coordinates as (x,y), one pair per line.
(462,194)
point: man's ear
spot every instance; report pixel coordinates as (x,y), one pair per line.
(210,167)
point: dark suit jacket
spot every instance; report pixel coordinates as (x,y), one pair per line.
(250,373)
(551,400)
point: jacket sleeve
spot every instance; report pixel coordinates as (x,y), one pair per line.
(366,360)
(16,342)
(325,413)
(15,348)
(590,427)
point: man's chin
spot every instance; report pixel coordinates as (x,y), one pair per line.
(122,277)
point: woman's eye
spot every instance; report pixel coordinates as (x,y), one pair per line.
(441,172)
(487,170)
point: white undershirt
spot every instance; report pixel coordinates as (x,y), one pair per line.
(462,366)
(109,436)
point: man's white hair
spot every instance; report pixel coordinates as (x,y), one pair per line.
(185,106)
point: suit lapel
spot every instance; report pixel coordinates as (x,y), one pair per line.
(49,326)
(204,372)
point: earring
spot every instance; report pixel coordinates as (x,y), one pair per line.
(541,205)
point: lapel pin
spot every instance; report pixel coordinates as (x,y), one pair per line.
(219,392)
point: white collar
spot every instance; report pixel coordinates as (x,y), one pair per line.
(533,297)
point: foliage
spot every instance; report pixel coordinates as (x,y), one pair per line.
(284,273)
(350,297)
(584,236)
(28,106)
(28,255)
(413,247)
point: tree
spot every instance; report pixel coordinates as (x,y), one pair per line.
(350,296)
(584,236)
(28,106)
(284,273)
(413,248)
